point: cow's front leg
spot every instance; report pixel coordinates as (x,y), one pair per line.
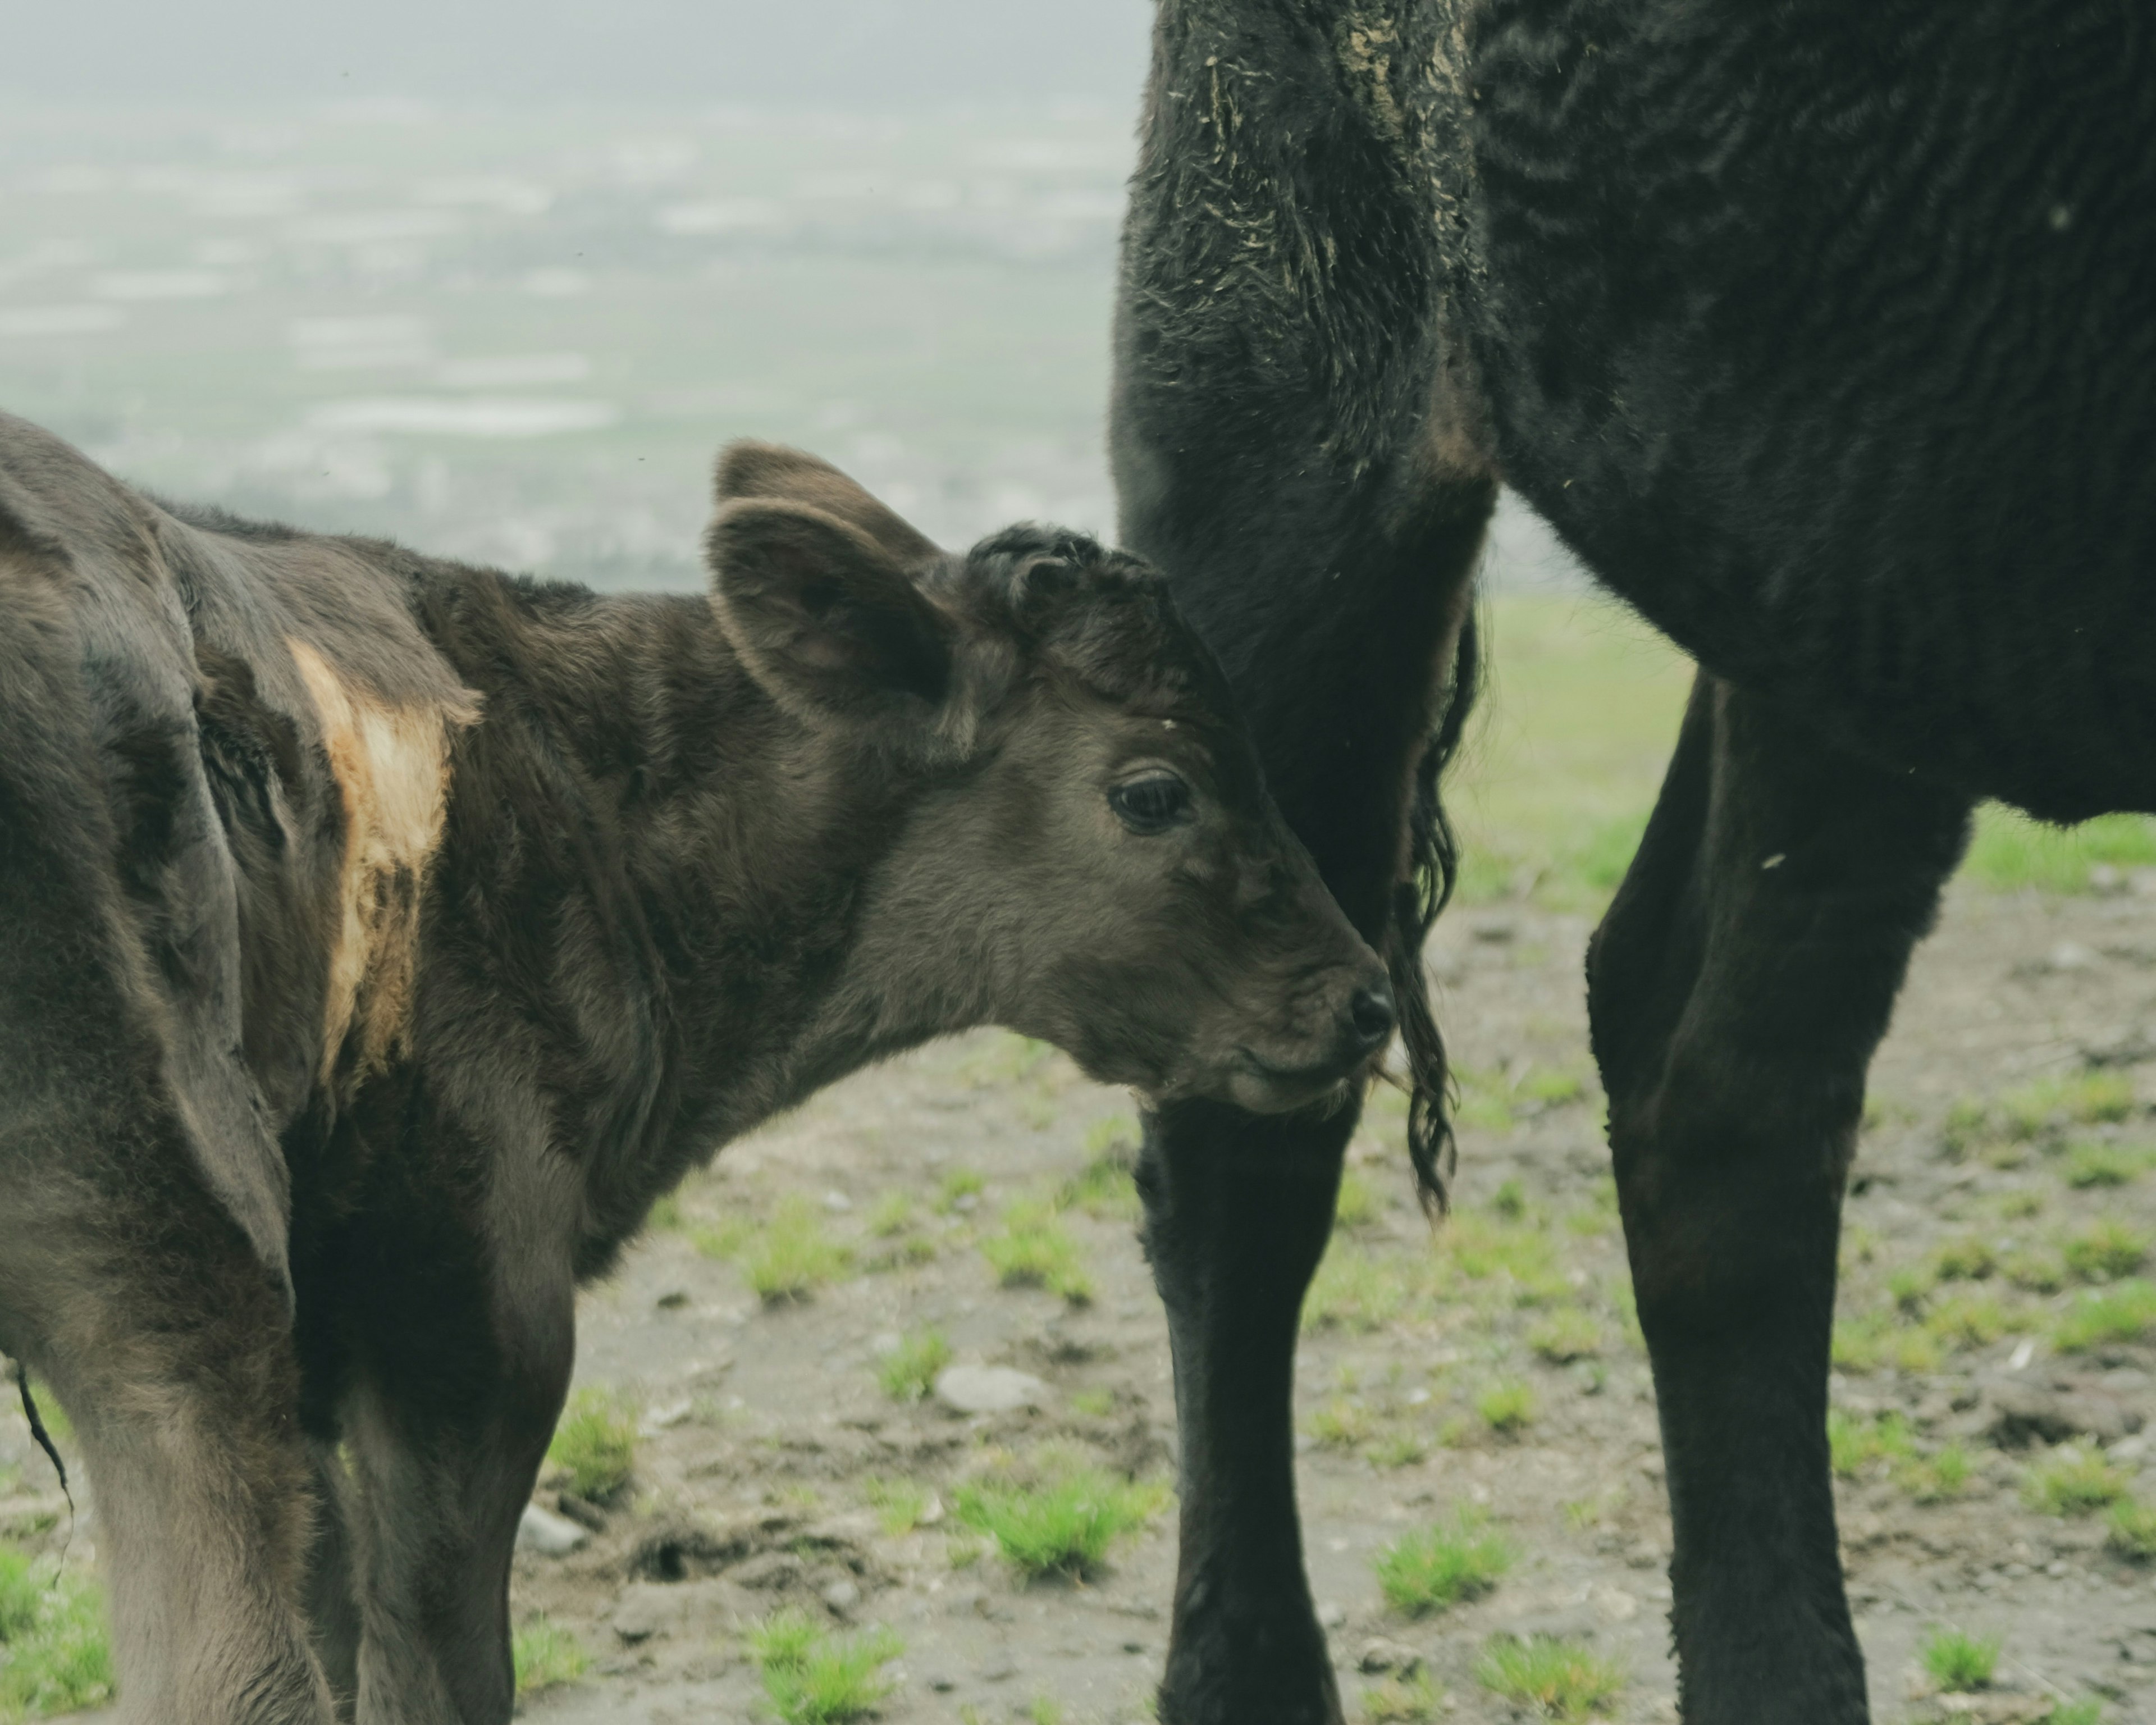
(1738,986)
(1238,1212)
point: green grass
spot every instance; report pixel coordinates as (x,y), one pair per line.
(1855,1444)
(1456,1560)
(546,1656)
(1062,1523)
(892,1215)
(2088,1710)
(791,1256)
(811,1677)
(1104,1187)
(1865,1341)
(1959,1663)
(1095,1404)
(55,1653)
(2130,1530)
(1567,1334)
(960,1189)
(2125,1312)
(1354,1289)
(1935,1478)
(1508,1407)
(1402,1701)
(1341,1423)
(899,1504)
(596,1443)
(1557,1679)
(908,1371)
(2068,1482)
(2012,853)
(1357,1205)
(2106,1250)
(2098,1164)
(1034,1250)
(1519,1259)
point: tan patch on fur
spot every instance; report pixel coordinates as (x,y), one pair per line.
(392,769)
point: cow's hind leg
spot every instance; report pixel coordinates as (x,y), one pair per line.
(1738,988)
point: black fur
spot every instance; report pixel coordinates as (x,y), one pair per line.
(1825,333)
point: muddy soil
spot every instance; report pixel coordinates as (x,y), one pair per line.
(765,1424)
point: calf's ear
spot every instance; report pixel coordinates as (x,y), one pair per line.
(824,617)
(779,474)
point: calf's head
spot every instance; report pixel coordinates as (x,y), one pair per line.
(1082,846)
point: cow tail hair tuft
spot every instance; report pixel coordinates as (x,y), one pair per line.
(1434,870)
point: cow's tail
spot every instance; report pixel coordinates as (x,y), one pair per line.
(1434,868)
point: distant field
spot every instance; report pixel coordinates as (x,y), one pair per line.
(1565,757)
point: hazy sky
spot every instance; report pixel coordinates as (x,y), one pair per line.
(835,53)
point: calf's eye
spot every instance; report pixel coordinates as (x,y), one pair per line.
(1151,804)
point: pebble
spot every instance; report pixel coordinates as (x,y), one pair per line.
(1379,1656)
(988,1389)
(550,1535)
(660,1418)
(842,1596)
(1329,1615)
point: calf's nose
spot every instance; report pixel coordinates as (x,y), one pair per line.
(1370,1016)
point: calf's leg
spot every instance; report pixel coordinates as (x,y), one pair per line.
(461,1363)
(129,1288)
(1737,988)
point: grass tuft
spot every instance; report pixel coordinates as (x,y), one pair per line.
(1402,1701)
(2098,1164)
(1958,1663)
(1034,1250)
(546,1656)
(596,1442)
(1855,1444)
(2068,1482)
(1507,1408)
(2125,1312)
(1567,1334)
(1064,1524)
(815,1678)
(55,1654)
(908,1371)
(1557,1679)
(901,1505)
(791,1256)
(2106,1250)
(2130,1530)
(1457,1560)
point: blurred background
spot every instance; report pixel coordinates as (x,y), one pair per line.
(497,279)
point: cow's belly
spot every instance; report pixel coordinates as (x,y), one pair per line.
(1829,340)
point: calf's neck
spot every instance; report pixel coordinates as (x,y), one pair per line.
(380,938)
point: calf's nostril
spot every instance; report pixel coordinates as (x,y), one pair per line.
(1371,1014)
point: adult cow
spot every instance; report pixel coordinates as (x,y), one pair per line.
(1824,332)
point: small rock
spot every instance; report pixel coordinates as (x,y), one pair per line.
(1000,1671)
(673,1300)
(582,1511)
(842,1596)
(1495,931)
(647,1608)
(773,1569)
(837,1203)
(2069,956)
(660,1418)
(942,1683)
(988,1389)
(550,1535)
(1379,1656)
(1613,1604)
(1331,1615)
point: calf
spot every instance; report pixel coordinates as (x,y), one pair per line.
(380,938)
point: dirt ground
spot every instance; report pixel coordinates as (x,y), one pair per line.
(763,1425)
(775,1411)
